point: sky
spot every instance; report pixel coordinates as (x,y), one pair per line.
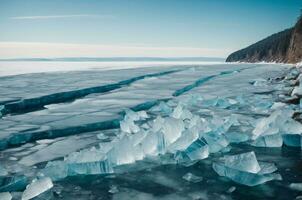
(153,28)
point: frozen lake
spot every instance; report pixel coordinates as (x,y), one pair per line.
(8,68)
(69,114)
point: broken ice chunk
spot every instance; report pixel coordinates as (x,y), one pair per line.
(61,169)
(162,107)
(291,126)
(267,168)
(181,113)
(192,178)
(215,141)
(197,150)
(244,162)
(187,138)
(245,169)
(268,141)
(37,187)
(292,133)
(177,112)
(56,170)
(143,115)
(128,126)
(172,129)
(153,144)
(5,196)
(89,168)
(124,152)
(135,116)
(242,177)
(87,155)
(158,122)
(274,123)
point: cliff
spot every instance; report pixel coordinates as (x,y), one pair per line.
(285,47)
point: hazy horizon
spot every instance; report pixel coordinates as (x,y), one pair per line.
(172,28)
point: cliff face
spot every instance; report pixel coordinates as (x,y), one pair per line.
(285,46)
(294,53)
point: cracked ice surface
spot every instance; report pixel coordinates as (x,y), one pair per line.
(158,143)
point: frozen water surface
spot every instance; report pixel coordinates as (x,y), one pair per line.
(157,132)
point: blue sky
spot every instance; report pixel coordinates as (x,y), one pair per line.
(139,27)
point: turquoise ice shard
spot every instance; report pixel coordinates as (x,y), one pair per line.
(245,169)
(127,124)
(163,108)
(181,113)
(135,116)
(37,187)
(172,129)
(279,122)
(268,131)
(89,168)
(244,162)
(178,111)
(56,170)
(186,139)
(267,168)
(196,151)
(215,141)
(268,141)
(125,151)
(292,133)
(269,126)
(5,196)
